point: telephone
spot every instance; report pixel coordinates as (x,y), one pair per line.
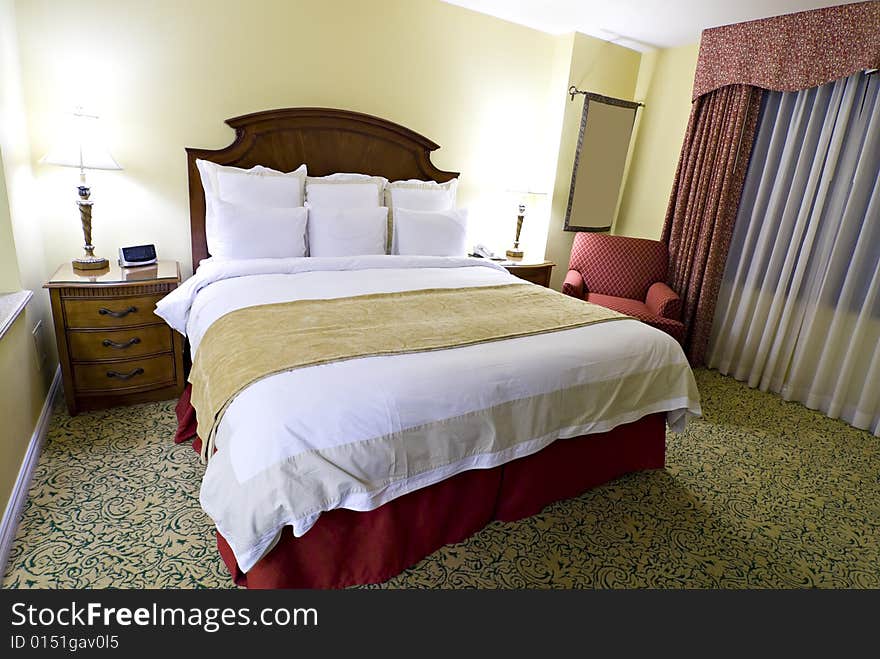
(485,252)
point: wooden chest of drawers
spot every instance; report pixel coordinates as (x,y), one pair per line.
(113,349)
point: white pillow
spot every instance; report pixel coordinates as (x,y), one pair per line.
(347,231)
(342,195)
(421,195)
(418,195)
(349,176)
(430,233)
(252,232)
(346,190)
(261,189)
(209,173)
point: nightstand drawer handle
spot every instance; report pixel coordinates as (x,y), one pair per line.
(125,376)
(107,343)
(117,314)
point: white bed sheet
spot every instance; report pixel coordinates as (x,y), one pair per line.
(311,409)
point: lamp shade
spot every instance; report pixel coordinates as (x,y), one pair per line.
(79,144)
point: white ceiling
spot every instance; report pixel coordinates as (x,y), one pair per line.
(637,24)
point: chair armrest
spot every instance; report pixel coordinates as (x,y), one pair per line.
(574,285)
(663,301)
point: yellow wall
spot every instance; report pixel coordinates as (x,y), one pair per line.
(23,198)
(9,279)
(23,383)
(165,74)
(600,67)
(22,393)
(667,78)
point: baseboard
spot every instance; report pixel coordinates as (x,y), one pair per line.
(9,523)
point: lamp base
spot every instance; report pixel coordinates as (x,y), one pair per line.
(514,254)
(90,263)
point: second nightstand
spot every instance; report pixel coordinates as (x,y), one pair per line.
(537,272)
(113,349)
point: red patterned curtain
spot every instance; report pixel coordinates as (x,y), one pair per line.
(785,53)
(705,197)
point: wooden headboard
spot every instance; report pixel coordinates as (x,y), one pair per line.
(326,140)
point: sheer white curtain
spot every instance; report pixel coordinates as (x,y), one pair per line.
(799,307)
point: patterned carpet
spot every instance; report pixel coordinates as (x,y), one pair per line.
(758,493)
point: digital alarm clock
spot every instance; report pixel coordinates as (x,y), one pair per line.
(130,257)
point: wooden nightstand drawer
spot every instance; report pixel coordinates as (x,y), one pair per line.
(113,348)
(130,374)
(111,312)
(119,344)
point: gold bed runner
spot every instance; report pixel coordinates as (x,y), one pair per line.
(250,344)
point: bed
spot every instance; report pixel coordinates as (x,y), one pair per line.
(348,469)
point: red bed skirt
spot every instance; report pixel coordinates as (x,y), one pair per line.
(346,548)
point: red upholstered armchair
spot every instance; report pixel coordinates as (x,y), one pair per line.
(627,275)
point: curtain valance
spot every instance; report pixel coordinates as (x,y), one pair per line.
(790,52)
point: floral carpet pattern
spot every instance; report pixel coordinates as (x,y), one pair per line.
(758,493)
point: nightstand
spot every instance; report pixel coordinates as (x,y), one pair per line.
(537,272)
(113,349)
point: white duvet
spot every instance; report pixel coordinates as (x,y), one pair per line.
(251,489)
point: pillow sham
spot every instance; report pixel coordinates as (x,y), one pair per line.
(421,195)
(345,190)
(347,231)
(248,192)
(342,195)
(252,232)
(417,195)
(209,173)
(430,232)
(268,190)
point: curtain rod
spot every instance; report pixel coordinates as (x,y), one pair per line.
(573,91)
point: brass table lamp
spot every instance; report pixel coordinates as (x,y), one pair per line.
(79,145)
(516,252)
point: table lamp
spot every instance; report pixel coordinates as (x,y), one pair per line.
(524,196)
(80,145)
(515,252)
